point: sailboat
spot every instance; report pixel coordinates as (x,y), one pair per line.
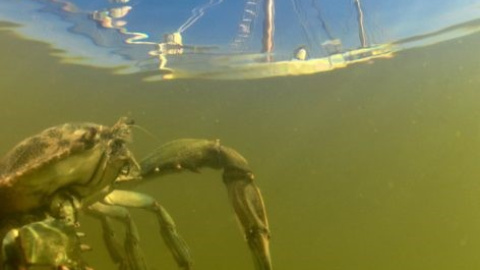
(367,51)
(241,66)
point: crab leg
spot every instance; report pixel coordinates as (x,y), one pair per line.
(247,201)
(173,240)
(133,258)
(116,250)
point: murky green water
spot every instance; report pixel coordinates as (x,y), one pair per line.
(370,167)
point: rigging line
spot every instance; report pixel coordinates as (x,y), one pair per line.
(247,25)
(301,19)
(350,19)
(323,24)
(325,27)
(253,22)
(197,13)
(374,31)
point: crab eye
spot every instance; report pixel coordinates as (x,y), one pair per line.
(117,146)
(125,169)
(88,137)
(130,122)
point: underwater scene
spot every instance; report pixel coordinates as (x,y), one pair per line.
(359,122)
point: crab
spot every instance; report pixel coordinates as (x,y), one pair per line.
(47,179)
(50,243)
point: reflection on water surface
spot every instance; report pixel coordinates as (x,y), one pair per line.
(219,39)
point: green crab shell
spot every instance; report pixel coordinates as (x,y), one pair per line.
(82,159)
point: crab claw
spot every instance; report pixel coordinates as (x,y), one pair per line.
(250,210)
(47,244)
(259,243)
(246,199)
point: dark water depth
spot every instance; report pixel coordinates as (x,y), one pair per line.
(371,167)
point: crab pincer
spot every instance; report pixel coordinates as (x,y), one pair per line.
(245,197)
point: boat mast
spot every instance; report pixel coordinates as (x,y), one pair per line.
(268,27)
(361,27)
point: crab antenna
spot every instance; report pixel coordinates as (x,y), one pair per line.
(147,132)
